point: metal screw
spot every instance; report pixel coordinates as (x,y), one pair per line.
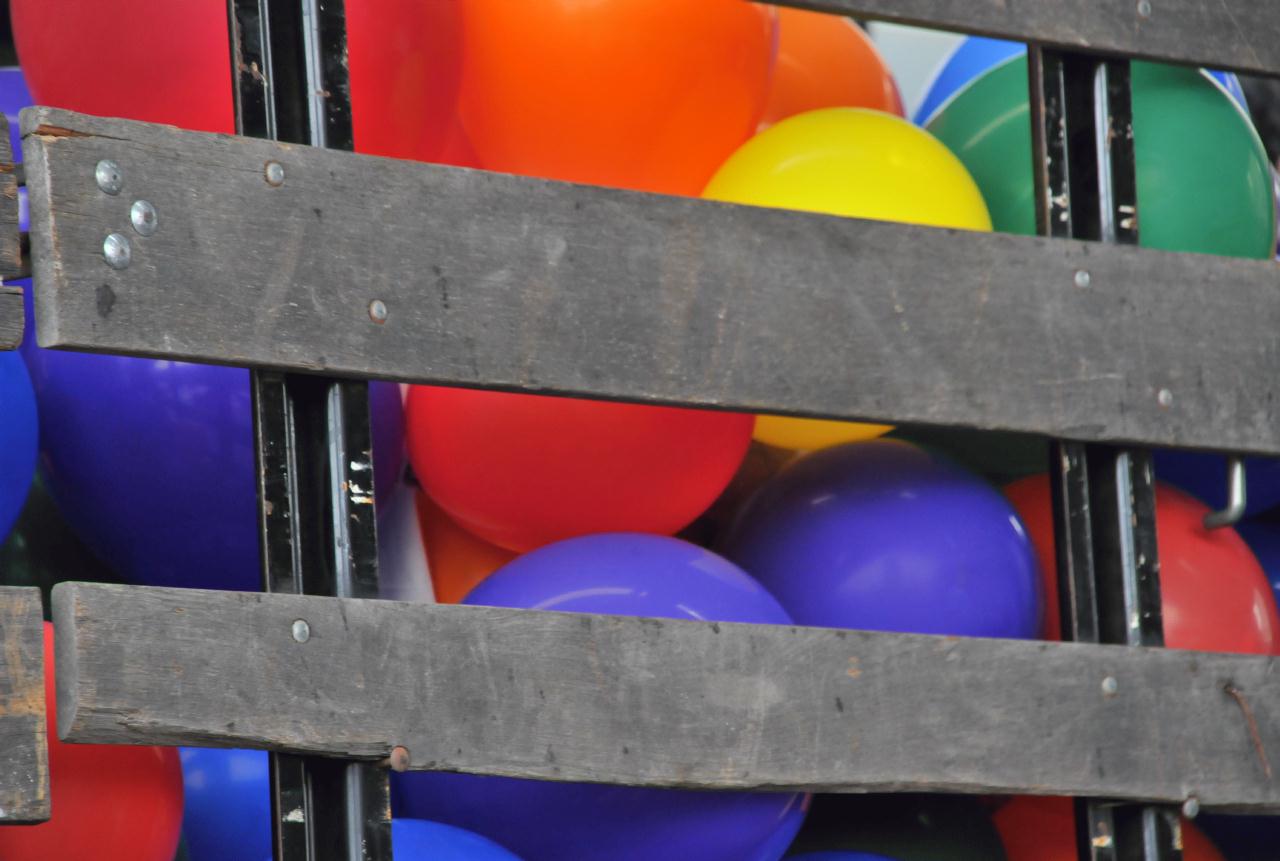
(1083,279)
(1191,807)
(301,630)
(1144,8)
(1110,686)
(144,218)
(399,759)
(378,311)
(109,177)
(1165,398)
(116,250)
(274,173)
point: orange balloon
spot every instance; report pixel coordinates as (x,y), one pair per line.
(1214,594)
(1043,829)
(456,559)
(827,61)
(628,93)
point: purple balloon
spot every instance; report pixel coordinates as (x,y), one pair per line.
(152,463)
(630,575)
(886,536)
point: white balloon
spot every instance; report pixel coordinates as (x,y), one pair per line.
(402,559)
(914,56)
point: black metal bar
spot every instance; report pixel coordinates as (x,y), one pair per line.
(1103,497)
(314,446)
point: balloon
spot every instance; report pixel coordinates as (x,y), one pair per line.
(110,802)
(631,575)
(457,560)
(1204,476)
(1043,829)
(913,54)
(761,463)
(885,536)
(1203,176)
(18,438)
(1214,594)
(521,471)
(1262,534)
(969,59)
(997,456)
(915,827)
(827,61)
(42,550)
(152,463)
(1243,838)
(227,813)
(418,840)
(852,162)
(402,559)
(166,62)
(627,93)
(977,55)
(840,856)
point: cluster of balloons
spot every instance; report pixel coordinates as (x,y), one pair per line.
(529,501)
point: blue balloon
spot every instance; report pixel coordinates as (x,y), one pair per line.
(887,536)
(1204,476)
(18,438)
(152,463)
(227,806)
(622,574)
(1243,838)
(977,55)
(419,840)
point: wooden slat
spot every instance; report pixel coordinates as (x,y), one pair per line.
(1225,34)
(658,702)
(11,263)
(24,761)
(11,320)
(515,283)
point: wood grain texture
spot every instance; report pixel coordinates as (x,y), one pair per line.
(11,263)
(513,283)
(24,760)
(11,319)
(658,702)
(1243,35)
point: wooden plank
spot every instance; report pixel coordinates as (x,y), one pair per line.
(1243,35)
(11,318)
(521,284)
(12,264)
(24,759)
(661,703)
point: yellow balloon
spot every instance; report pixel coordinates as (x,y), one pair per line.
(857,163)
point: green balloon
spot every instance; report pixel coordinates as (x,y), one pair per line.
(903,827)
(41,550)
(1204,182)
(997,456)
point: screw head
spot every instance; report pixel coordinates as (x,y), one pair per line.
(1083,279)
(108,176)
(1110,686)
(1165,398)
(117,251)
(144,217)
(274,173)
(1144,8)
(301,630)
(1191,807)
(399,759)
(378,311)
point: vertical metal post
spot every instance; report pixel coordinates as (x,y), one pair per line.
(314,448)
(1103,496)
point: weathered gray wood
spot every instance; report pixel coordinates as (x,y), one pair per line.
(11,263)
(658,702)
(1226,34)
(516,283)
(24,760)
(11,320)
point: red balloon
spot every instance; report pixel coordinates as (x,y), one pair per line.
(167,61)
(521,471)
(1043,829)
(1215,596)
(110,802)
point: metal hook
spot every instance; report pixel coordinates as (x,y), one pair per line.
(1236,497)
